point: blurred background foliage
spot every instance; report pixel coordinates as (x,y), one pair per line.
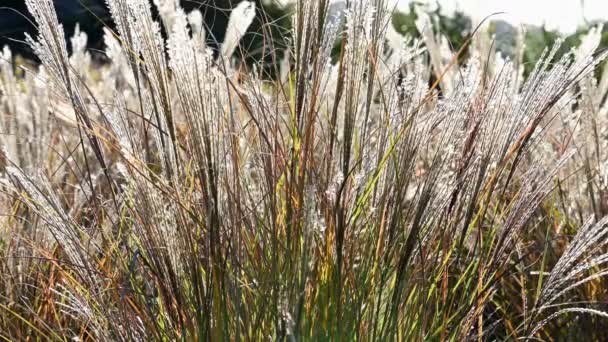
(458,28)
(268,35)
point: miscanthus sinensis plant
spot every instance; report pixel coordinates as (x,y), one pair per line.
(398,193)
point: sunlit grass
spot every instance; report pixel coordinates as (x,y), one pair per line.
(173,194)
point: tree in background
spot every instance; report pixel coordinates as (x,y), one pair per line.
(458,27)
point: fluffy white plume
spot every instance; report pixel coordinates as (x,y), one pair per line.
(240,19)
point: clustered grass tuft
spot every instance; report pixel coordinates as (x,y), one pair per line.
(398,193)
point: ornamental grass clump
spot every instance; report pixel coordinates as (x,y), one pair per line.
(393,191)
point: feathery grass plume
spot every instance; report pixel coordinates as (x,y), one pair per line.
(167,10)
(51,48)
(169,196)
(80,58)
(240,19)
(158,95)
(582,262)
(440,55)
(195,19)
